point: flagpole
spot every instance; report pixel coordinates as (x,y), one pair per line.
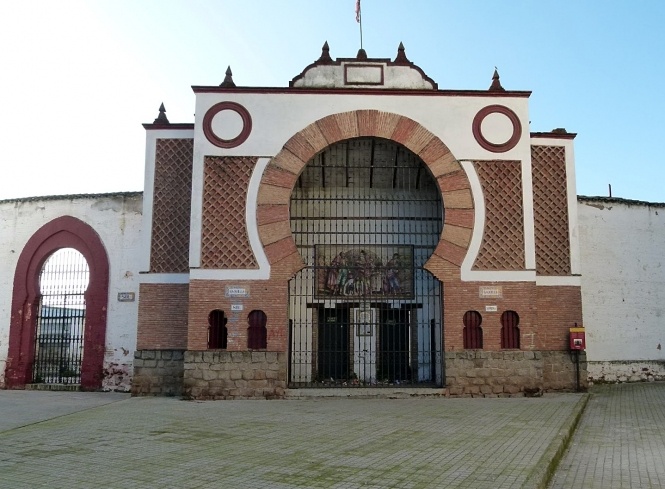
(359,19)
(360,16)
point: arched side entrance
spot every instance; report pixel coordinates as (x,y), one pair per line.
(63,232)
(281,176)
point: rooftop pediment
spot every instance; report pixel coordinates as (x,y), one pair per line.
(364,72)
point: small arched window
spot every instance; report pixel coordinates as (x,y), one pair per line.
(257,335)
(217,332)
(510,331)
(473,333)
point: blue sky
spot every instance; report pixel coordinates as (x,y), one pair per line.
(79,77)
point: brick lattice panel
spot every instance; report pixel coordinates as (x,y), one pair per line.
(550,205)
(503,241)
(224,239)
(169,249)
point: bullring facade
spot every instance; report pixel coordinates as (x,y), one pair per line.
(360,228)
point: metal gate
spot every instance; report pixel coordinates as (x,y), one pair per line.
(61,318)
(366,215)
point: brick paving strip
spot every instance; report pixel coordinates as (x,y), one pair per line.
(324,443)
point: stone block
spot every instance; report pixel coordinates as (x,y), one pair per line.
(257,356)
(209,374)
(483,372)
(235,374)
(271,357)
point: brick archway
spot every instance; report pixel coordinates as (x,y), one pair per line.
(283,170)
(63,232)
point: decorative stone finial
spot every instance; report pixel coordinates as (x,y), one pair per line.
(325,55)
(362,55)
(496,83)
(161,118)
(401,58)
(228,79)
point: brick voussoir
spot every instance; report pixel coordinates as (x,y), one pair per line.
(299,146)
(315,137)
(367,122)
(273,232)
(457,199)
(433,151)
(287,161)
(269,213)
(329,127)
(418,139)
(274,175)
(453,181)
(451,252)
(457,235)
(348,124)
(287,267)
(444,165)
(386,123)
(459,217)
(270,194)
(280,249)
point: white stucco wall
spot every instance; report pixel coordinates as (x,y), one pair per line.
(117,220)
(623,288)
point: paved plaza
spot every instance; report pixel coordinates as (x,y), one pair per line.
(95,440)
(620,442)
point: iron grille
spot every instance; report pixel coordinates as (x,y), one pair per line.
(366,214)
(61,319)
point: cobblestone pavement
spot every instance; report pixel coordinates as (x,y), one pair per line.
(324,443)
(620,442)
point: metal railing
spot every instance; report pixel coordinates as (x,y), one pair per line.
(366,215)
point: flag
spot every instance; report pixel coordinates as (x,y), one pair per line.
(357,10)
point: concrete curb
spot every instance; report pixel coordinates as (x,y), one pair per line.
(541,476)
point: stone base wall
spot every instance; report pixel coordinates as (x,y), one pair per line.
(626,371)
(158,373)
(480,373)
(235,374)
(559,372)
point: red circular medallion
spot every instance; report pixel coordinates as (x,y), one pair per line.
(227,143)
(497,147)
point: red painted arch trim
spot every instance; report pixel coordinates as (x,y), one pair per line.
(63,232)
